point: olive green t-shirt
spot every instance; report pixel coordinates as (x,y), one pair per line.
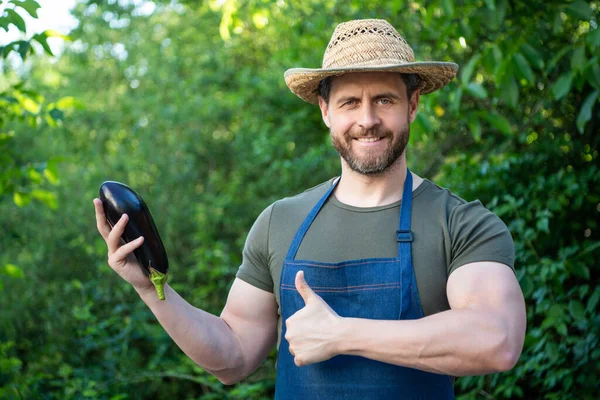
(448,232)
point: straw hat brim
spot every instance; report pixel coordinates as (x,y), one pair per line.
(303,82)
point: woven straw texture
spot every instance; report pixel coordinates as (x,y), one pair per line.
(368,45)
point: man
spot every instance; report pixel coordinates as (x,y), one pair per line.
(376,285)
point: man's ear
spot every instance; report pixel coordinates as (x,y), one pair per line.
(324,111)
(414,103)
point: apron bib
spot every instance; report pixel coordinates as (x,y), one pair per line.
(374,288)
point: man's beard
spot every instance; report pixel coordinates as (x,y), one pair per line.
(377,161)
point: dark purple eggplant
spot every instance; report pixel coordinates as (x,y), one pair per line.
(118,199)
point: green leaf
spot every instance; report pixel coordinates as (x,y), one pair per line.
(526,286)
(593,38)
(4,23)
(576,309)
(533,56)
(51,172)
(34,176)
(468,69)
(500,70)
(448,6)
(82,313)
(501,6)
(499,122)
(557,25)
(578,59)
(46,197)
(424,121)
(68,103)
(582,271)
(475,127)
(53,33)
(477,90)
(456,100)
(592,74)
(30,6)
(542,225)
(43,40)
(490,4)
(24,47)
(21,199)
(14,18)
(556,311)
(590,248)
(593,301)
(563,85)
(491,59)
(557,57)
(561,328)
(580,9)
(585,113)
(465,29)
(29,104)
(510,92)
(229,8)
(523,67)
(13,271)
(56,114)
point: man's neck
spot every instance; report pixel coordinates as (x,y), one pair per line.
(360,190)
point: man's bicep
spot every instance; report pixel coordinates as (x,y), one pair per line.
(251,313)
(492,288)
(483,283)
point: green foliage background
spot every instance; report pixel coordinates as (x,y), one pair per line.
(188,105)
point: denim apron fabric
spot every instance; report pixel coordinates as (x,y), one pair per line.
(374,288)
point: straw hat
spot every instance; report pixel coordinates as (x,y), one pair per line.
(368,45)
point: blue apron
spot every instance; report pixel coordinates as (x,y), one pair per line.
(374,288)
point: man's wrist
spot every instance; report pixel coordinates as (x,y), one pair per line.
(346,329)
(148,292)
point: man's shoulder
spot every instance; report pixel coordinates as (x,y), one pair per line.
(432,193)
(454,208)
(303,200)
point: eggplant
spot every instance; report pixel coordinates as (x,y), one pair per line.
(118,199)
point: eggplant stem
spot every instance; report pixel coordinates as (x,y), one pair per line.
(158,279)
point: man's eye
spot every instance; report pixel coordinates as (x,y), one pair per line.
(349,103)
(385,101)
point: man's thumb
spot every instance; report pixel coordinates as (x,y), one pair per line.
(305,291)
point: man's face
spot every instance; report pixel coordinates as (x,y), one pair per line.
(369,116)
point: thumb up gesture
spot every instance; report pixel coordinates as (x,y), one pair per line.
(313,331)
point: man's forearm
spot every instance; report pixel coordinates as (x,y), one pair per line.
(204,337)
(456,342)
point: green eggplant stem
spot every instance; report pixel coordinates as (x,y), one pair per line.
(158,279)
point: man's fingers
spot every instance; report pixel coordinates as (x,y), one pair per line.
(115,234)
(101,222)
(305,291)
(124,250)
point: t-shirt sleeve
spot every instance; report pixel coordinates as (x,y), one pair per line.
(477,235)
(255,257)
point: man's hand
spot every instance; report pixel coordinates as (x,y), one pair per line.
(312,332)
(120,255)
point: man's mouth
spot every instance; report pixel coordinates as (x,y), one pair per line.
(368,139)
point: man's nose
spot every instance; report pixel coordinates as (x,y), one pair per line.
(368,116)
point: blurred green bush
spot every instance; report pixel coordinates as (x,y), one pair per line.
(186,103)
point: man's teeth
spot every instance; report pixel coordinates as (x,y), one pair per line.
(367,139)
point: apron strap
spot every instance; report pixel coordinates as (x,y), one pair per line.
(291,254)
(405,237)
